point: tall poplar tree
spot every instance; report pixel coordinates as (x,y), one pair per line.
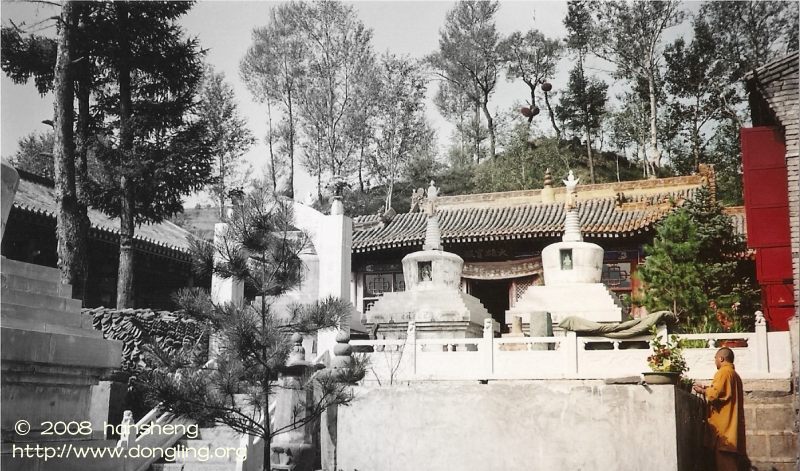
(400,125)
(273,70)
(468,58)
(339,59)
(629,35)
(228,133)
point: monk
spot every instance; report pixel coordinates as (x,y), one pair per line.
(725,397)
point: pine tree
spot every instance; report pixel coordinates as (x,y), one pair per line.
(673,280)
(694,267)
(156,148)
(582,108)
(261,249)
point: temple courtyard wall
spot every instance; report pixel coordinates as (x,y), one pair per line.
(500,425)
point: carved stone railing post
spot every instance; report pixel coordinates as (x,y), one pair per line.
(487,346)
(662,332)
(411,346)
(342,370)
(762,346)
(570,349)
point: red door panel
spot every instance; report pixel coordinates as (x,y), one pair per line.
(774,264)
(763,147)
(768,187)
(778,317)
(767,227)
(779,295)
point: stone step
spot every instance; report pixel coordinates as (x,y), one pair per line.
(29,270)
(32,285)
(40,301)
(58,347)
(193,467)
(46,324)
(35,315)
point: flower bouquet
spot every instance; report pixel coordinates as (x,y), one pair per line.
(666,361)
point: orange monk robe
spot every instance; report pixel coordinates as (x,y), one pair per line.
(725,398)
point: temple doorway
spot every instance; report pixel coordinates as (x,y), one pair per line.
(494,296)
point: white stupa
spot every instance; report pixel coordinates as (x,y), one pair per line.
(572,271)
(432,298)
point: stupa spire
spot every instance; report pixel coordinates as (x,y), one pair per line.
(433,233)
(572,223)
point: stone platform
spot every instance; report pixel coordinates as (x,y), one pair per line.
(51,356)
(592,301)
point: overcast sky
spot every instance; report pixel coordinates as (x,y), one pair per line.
(224,28)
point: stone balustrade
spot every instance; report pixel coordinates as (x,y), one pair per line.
(759,355)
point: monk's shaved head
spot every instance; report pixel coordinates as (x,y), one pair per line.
(725,354)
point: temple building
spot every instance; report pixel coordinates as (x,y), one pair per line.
(501,236)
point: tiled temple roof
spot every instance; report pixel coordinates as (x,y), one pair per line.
(135,327)
(36,196)
(606,210)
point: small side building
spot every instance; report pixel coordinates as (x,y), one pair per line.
(162,258)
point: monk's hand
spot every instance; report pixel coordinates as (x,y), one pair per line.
(699,388)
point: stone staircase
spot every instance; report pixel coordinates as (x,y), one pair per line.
(199,453)
(771,435)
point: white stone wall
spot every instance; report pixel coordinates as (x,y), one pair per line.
(557,425)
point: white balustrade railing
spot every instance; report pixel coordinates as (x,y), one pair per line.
(759,355)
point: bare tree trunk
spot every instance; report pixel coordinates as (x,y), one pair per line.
(490,126)
(552,115)
(290,183)
(477,130)
(653,118)
(696,137)
(126,255)
(589,154)
(127,188)
(273,171)
(67,216)
(222,186)
(82,172)
(389,191)
(361,166)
